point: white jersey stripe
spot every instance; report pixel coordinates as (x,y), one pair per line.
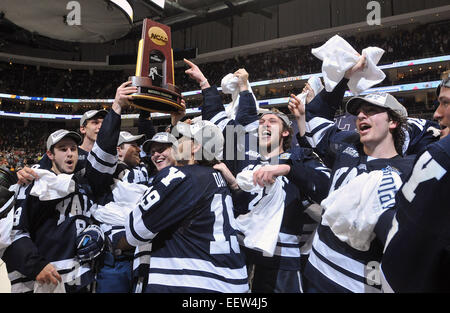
(196,265)
(142,259)
(340,278)
(104,156)
(287,238)
(77,270)
(343,262)
(218,116)
(316,122)
(339,259)
(287,252)
(100,167)
(223,123)
(196,282)
(317,137)
(139,228)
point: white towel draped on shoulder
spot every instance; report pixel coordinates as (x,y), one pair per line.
(352,211)
(50,186)
(338,56)
(261,225)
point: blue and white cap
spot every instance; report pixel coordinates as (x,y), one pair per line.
(58,135)
(384,100)
(162,137)
(207,134)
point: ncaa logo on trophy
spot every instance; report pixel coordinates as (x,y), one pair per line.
(154,71)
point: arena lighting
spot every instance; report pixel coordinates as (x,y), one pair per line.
(86,21)
(125,6)
(269,102)
(159,3)
(252,84)
(155,5)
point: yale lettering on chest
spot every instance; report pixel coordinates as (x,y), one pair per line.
(73,206)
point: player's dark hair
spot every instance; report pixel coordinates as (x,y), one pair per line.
(288,139)
(399,132)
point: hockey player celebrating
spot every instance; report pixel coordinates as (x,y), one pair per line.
(267,156)
(118,179)
(336,264)
(339,261)
(53,241)
(187,216)
(417,250)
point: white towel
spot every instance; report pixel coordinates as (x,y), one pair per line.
(126,197)
(316,85)
(49,288)
(6,225)
(338,56)
(261,225)
(50,186)
(352,211)
(230,85)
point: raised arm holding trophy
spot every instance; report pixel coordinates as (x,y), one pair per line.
(154,71)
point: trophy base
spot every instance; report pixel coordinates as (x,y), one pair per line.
(155,99)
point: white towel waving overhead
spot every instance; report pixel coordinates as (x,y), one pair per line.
(261,225)
(50,186)
(352,211)
(230,86)
(316,85)
(338,56)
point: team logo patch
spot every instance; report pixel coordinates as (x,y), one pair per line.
(285,156)
(351,151)
(362,167)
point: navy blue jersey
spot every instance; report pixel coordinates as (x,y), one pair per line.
(334,266)
(45,232)
(187,215)
(417,252)
(104,171)
(307,181)
(240,145)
